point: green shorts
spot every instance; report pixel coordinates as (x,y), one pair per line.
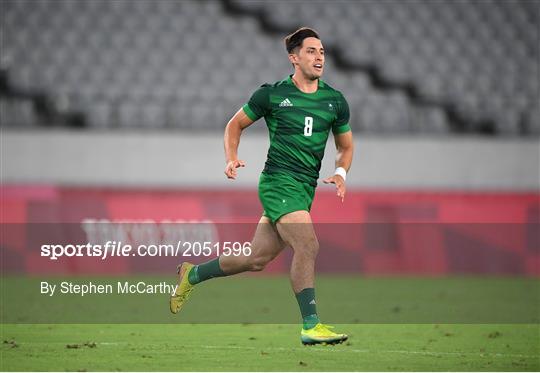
(281,194)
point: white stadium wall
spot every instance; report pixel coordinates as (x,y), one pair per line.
(176,159)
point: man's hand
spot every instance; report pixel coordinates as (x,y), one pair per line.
(340,185)
(230,169)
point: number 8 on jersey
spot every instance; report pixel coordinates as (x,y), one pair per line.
(308,126)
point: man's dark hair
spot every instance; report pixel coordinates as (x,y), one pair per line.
(296,39)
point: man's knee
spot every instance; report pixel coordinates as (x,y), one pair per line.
(258,263)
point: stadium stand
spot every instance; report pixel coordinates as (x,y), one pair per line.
(416,66)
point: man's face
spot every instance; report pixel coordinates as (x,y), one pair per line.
(309,58)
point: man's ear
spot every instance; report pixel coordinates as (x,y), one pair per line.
(293,58)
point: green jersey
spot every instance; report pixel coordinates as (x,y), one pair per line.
(299,124)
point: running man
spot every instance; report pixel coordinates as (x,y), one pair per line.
(300,111)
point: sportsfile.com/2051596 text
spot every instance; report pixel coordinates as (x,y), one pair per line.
(117,248)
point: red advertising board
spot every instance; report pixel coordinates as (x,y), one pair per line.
(373,232)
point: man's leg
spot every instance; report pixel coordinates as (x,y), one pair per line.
(296,229)
(265,246)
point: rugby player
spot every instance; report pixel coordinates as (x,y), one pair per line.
(300,111)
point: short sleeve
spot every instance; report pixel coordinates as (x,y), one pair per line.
(259,103)
(341,124)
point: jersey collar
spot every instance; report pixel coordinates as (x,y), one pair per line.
(320,84)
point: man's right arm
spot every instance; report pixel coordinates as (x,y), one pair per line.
(231,140)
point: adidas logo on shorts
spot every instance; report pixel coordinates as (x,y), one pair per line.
(285,102)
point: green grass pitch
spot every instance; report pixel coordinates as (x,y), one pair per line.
(266,347)
(391,328)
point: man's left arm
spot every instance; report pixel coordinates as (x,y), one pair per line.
(345,149)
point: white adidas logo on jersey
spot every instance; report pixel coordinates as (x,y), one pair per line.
(285,102)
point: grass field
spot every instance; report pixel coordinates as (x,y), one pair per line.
(404,324)
(268,347)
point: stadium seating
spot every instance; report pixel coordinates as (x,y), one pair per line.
(481,56)
(192,64)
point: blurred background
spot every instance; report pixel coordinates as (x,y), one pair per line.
(115,110)
(416,67)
